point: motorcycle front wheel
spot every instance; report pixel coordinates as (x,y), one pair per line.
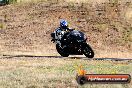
(87,51)
(61,51)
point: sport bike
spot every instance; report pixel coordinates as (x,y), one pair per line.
(73,43)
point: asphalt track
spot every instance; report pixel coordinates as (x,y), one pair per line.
(70,57)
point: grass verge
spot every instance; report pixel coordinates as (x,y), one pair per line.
(51,72)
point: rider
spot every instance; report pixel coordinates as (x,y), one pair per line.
(60,31)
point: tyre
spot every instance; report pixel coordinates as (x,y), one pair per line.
(61,51)
(87,51)
(81,80)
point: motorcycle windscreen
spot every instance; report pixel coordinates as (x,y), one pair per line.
(76,36)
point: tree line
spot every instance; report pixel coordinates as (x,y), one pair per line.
(5,2)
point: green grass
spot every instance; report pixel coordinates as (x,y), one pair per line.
(12,1)
(41,72)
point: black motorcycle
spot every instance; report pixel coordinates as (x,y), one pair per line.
(73,43)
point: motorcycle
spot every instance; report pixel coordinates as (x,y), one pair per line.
(73,43)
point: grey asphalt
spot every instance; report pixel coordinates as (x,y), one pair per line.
(70,57)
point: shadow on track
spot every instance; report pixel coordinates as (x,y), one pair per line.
(83,58)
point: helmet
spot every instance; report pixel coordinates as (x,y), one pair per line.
(64,24)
